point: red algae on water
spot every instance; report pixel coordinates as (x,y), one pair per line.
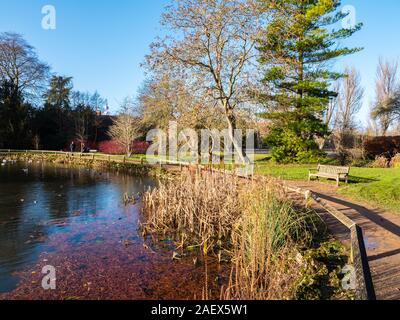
(105,259)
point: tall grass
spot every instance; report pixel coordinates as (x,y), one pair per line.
(253,223)
(199,210)
(265,258)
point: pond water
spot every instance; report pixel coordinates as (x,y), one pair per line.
(74,219)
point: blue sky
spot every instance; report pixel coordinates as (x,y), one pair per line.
(101,43)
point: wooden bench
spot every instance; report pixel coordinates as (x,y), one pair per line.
(330,172)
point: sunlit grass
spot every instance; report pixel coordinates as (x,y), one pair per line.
(377,186)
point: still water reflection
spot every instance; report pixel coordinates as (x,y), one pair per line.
(46,200)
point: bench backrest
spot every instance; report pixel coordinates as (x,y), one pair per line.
(333,169)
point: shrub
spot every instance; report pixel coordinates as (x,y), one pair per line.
(381,162)
(395,162)
(110,147)
(377,146)
(113,147)
(361,163)
(140,147)
(287,147)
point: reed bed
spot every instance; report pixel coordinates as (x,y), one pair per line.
(265,258)
(198,210)
(252,224)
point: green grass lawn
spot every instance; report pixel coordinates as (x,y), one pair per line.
(377,186)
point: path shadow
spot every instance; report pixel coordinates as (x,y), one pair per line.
(385,255)
(373,216)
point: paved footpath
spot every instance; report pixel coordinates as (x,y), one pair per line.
(381,233)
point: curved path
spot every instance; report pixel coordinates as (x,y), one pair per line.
(381,233)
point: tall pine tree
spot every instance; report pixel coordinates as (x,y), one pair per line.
(299,42)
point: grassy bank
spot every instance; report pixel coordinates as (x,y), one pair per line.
(275,250)
(377,186)
(87,160)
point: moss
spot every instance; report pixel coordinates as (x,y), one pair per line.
(321,268)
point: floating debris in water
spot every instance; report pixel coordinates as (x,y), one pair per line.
(175,256)
(126,243)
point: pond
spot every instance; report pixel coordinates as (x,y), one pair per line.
(75,220)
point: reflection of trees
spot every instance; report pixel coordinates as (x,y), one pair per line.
(24,224)
(20,222)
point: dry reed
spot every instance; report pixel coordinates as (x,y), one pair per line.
(199,210)
(265,258)
(252,222)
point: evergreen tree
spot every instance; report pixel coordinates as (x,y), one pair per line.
(15,118)
(299,42)
(54,120)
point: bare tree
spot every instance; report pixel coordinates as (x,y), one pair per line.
(164,98)
(20,66)
(330,114)
(83,115)
(372,129)
(213,41)
(349,100)
(349,103)
(387,105)
(124,131)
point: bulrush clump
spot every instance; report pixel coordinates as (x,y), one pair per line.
(265,257)
(197,209)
